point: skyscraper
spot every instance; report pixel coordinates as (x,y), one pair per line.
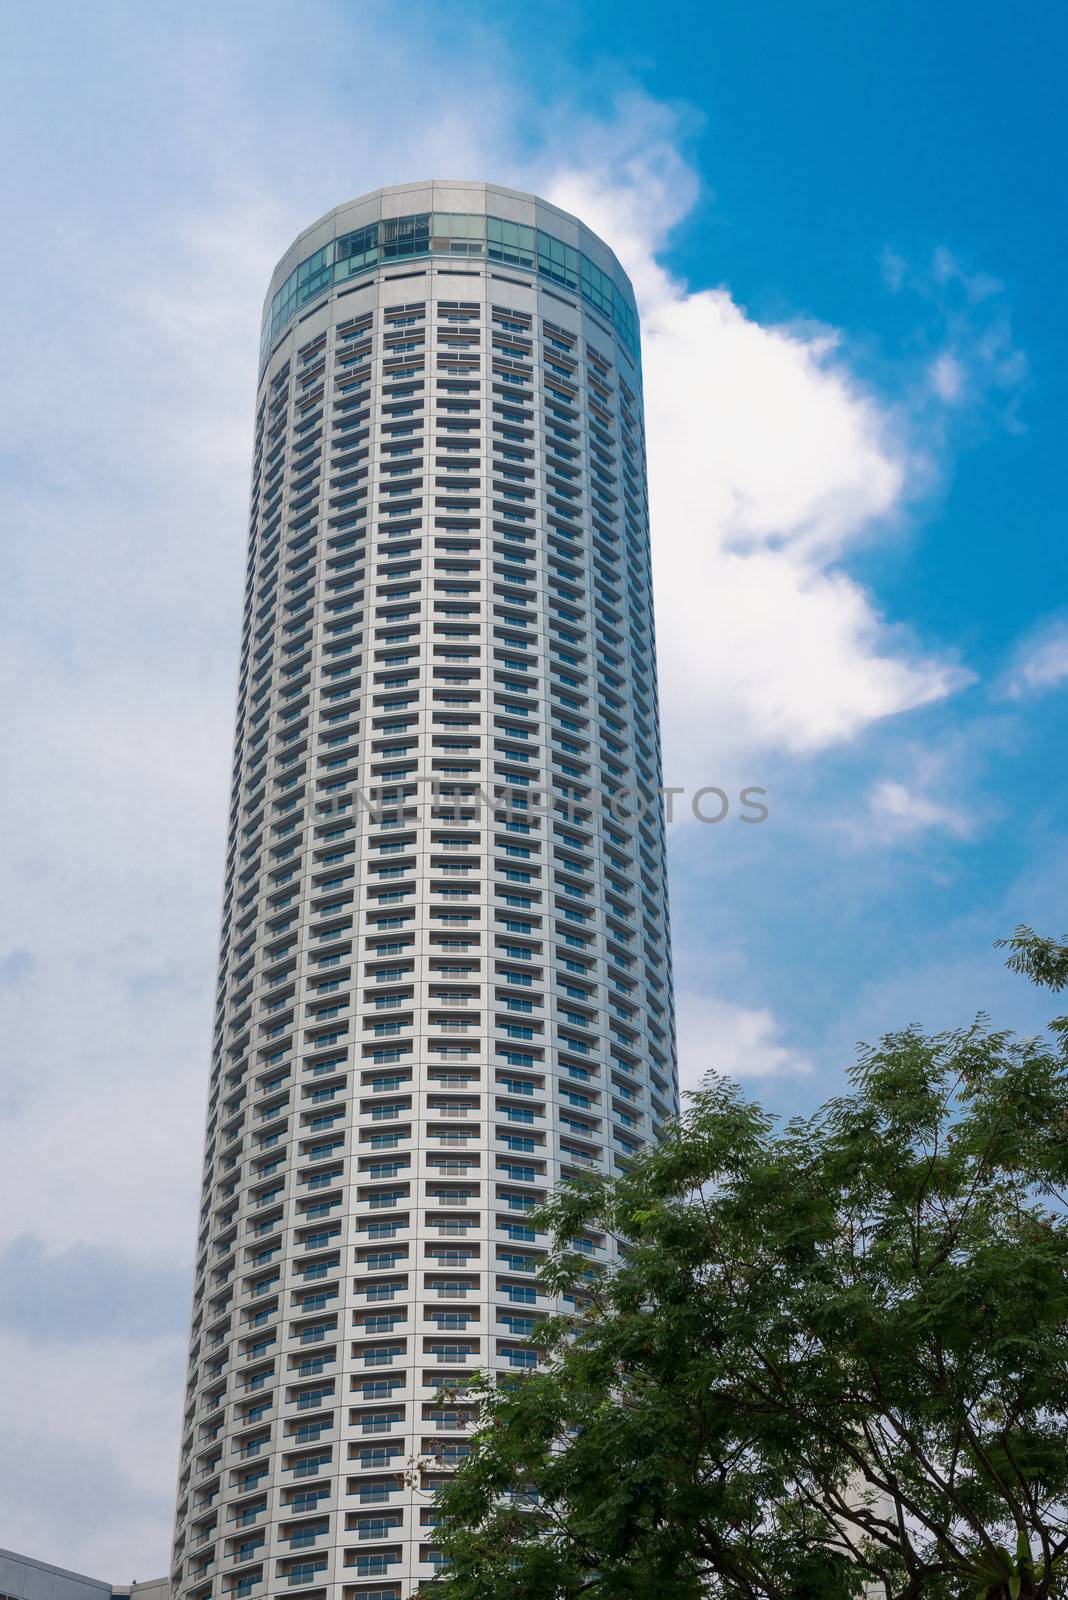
(444,978)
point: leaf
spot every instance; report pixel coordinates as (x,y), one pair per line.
(1023,1555)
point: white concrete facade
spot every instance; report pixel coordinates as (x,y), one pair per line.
(444,980)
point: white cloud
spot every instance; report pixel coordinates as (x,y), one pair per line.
(947,377)
(924,792)
(1040,662)
(895,811)
(112,883)
(976,360)
(769,462)
(737,1041)
(89,1464)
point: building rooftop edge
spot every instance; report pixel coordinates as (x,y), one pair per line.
(79,1577)
(50,1566)
(461,184)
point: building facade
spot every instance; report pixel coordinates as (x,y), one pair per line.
(444,979)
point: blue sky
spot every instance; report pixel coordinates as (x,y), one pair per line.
(844,227)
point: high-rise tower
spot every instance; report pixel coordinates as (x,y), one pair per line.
(444,979)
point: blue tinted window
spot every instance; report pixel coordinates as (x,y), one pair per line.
(400,237)
(511,242)
(452,233)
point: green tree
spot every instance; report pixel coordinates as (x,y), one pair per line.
(831,1361)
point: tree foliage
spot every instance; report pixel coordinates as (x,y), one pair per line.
(831,1360)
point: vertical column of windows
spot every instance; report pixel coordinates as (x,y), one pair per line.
(451,1287)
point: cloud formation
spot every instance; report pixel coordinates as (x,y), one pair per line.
(89,1464)
(1040,663)
(896,811)
(733,1040)
(973,359)
(769,463)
